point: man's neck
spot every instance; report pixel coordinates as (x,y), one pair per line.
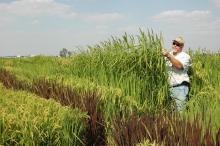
(175,53)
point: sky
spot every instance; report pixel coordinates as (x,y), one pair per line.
(46,26)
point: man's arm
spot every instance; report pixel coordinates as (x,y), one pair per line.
(176,63)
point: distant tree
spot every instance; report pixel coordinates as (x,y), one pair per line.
(64,52)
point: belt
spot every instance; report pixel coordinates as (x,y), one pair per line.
(184,83)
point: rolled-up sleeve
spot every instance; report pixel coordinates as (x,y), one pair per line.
(186,61)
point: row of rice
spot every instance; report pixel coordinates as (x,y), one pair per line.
(26,119)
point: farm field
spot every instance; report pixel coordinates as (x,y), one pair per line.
(114,93)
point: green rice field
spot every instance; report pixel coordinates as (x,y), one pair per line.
(115,93)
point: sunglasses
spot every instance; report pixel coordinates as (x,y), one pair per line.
(177,44)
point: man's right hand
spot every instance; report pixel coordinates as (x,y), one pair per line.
(165,53)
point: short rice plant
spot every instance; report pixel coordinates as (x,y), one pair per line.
(26,119)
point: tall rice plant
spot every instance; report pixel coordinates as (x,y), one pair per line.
(133,64)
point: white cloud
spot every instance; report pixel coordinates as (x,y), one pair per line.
(199,28)
(197,21)
(5,21)
(36,8)
(35,21)
(180,15)
(217,3)
(104,17)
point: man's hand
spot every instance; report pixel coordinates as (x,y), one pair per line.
(165,53)
(176,63)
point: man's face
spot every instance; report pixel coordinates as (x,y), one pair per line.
(177,47)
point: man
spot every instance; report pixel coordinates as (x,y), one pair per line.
(178,63)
